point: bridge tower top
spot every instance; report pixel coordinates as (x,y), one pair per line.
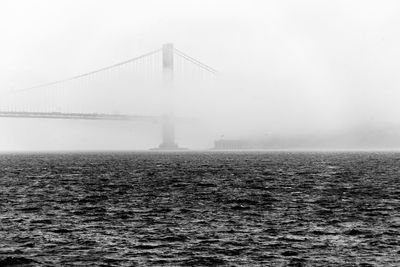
(168,61)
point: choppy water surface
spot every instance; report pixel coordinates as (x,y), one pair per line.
(192,209)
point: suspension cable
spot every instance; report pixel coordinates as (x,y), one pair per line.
(85,74)
(195,61)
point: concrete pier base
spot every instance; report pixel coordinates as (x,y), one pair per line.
(168,135)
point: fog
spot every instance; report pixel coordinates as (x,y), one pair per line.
(299,74)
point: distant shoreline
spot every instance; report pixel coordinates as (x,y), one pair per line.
(186,151)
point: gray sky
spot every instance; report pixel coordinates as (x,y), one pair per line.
(285,66)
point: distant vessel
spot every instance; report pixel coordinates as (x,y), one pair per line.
(232,144)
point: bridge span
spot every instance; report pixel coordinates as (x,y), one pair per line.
(165,62)
(78,116)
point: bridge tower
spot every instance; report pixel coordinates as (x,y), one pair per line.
(168,126)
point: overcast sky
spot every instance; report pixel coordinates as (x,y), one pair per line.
(286,66)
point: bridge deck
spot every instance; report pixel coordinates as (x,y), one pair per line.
(77,116)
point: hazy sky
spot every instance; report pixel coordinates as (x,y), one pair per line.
(286,66)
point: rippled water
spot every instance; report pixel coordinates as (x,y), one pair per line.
(200,209)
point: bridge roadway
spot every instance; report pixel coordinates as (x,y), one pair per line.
(78,116)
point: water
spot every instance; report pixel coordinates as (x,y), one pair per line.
(200,209)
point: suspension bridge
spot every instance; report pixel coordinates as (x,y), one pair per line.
(91,95)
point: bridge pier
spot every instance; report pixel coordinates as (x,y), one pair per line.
(168,134)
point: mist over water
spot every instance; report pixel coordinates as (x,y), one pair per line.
(321,73)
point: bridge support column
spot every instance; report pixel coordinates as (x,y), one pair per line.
(168,134)
(168,127)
